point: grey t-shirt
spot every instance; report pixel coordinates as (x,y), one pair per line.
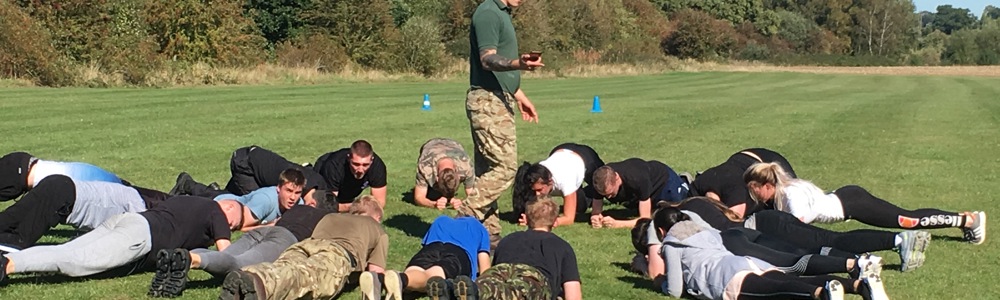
(96,201)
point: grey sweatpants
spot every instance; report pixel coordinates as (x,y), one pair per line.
(121,239)
(262,244)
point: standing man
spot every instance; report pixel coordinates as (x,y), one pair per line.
(495,81)
(442,166)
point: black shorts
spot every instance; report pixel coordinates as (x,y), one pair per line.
(449,257)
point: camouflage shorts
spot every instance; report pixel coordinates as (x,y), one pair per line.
(513,281)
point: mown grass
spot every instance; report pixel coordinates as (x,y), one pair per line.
(916,141)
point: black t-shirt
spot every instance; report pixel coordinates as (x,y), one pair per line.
(641,179)
(335,167)
(545,251)
(301,220)
(187,222)
(726,179)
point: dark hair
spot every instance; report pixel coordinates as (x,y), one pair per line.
(666,217)
(293,176)
(640,233)
(361,148)
(527,174)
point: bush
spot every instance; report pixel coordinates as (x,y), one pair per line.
(213,32)
(128,50)
(314,51)
(278,20)
(700,36)
(27,50)
(421,49)
(366,32)
(961,48)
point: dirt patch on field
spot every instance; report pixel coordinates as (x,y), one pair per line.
(983,71)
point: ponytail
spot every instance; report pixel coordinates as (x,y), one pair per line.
(665,218)
(730,214)
(764,173)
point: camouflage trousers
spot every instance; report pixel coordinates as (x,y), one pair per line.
(313,269)
(495,141)
(513,281)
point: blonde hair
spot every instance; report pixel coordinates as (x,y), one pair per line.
(541,213)
(764,173)
(366,205)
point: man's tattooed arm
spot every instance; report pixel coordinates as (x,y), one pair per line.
(494,62)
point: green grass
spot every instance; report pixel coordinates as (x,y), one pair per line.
(916,141)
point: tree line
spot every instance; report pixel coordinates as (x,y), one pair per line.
(51,41)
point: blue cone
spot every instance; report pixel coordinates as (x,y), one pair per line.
(597,105)
(427,102)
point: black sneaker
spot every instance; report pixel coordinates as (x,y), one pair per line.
(182,186)
(3,270)
(242,285)
(438,289)
(177,277)
(465,288)
(163,262)
(214,186)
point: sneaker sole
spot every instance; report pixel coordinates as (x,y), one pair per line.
(916,255)
(982,221)
(238,285)
(367,284)
(177,279)
(436,292)
(462,289)
(836,290)
(876,288)
(393,286)
(163,262)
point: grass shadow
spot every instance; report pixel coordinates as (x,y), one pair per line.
(948,238)
(410,224)
(637,282)
(211,283)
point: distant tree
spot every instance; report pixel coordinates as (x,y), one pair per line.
(991,13)
(734,11)
(884,27)
(949,19)
(278,20)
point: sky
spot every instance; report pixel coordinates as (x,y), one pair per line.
(976,6)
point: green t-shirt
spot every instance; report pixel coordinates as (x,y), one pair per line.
(492,28)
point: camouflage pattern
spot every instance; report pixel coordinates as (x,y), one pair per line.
(313,268)
(495,140)
(439,148)
(513,281)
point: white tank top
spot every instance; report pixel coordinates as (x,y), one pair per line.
(567,171)
(809,203)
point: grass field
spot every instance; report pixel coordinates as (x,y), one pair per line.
(918,141)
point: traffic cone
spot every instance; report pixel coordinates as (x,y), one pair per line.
(427,102)
(596,108)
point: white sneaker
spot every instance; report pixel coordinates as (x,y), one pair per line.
(977,233)
(393,286)
(869,264)
(875,288)
(834,290)
(911,250)
(371,288)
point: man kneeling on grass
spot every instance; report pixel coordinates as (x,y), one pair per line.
(522,270)
(131,240)
(318,267)
(451,247)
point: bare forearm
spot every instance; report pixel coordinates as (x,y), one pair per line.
(497,63)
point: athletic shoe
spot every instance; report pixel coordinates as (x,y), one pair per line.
(911,250)
(393,286)
(465,288)
(163,261)
(833,290)
(181,187)
(178,274)
(3,270)
(242,285)
(977,233)
(876,291)
(371,288)
(867,264)
(438,289)
(640,265)
(5,248)
(214,186)
(687,177)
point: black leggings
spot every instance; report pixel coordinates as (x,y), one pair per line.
(747,242)
(255,167)
(44,207)
(784,226)
(861,205)
(775,284)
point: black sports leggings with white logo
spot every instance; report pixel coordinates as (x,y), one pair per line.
(778,285)
(787,227)
(861,205)
(788,258)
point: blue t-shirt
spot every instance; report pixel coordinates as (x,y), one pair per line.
(263,203)
(464,232)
